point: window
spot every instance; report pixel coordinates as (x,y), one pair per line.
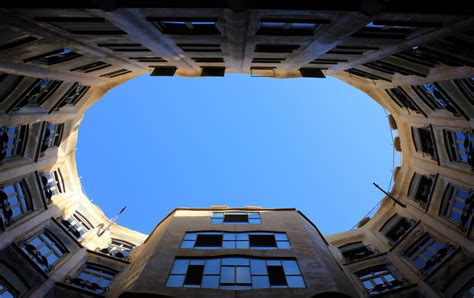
(77,225)
(458,205)
(200,48)
(387,29)
(95,66)
(366,74)
(239,240)
(208,59)
(235,273)
(275,48)
(467,291)
(428,253)
(52,136)
(14,201)
(466,86)
(351,50)
(424,141)
(435,97)
(119,248)
(8,83)
(83,25)
(460,146)
(72,96)
(356,251)
(6,290)
(267,60)
(52,184)
(421,187)
(54,57)
(286,27)
(186,26)
(212,71)
(148,59)
(12,141)
(93,278)
(37,93)
(395,228)
(116,73)
(44,250)
(379,280)
(236,218)
(402,99)
(124,47)
(13,38)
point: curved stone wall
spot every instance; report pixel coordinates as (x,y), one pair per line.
(55,63)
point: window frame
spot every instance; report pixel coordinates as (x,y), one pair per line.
(20,138)
(452,146)
(379,269)
(447,207)
(23,201)
(93,270)
(218,217)
(59,251)
(414,188)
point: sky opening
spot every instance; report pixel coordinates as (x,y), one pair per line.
(153,144)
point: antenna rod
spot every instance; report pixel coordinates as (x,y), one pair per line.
(396,201)
(112,221)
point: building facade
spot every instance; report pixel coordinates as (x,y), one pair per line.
(417,63)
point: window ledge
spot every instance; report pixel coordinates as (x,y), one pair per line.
(76,289)
(398,290)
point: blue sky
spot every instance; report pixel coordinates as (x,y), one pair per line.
(153,144)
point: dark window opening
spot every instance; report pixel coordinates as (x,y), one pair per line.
(365,74)
(423,140)
(116,73)
(209,71)
(379,29)
(236,218)
(274,48)
(402,99)
(92,67)
(276,275)
(356,251)
(351,50)
(208,241)
(194,275)
(262,240)
(8,83)
(54,57)
(466,86)
(83,25)
(186,26)
(124,47)
(148,59)
(420,188)
(289,27)
(208,59)
(395,228)
(12,38)
(200,48)
(268,60)
(163,71)
(328,61)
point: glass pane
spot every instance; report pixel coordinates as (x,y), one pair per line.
(228,275)
(210,282)
(212,266)
(260,282)
(216,221)
(180,266)
(295,281)
(242,244)
(281,236)
(242,275)
(197,262)
(175,281)
(290,267)
(273,262)
(242,236)
(254,221)
(229,236)
(190,236)
(283,244)
(187,244)
(258,267)
(235,261)
(228,244)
